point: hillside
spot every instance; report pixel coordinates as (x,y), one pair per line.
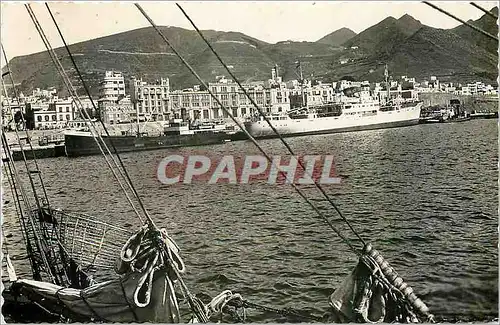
(409,47)
(487,24)
(381,38)
(413,49)
(338,37)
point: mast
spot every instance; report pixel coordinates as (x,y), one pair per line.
(302,85)
(387,86)
(137,115)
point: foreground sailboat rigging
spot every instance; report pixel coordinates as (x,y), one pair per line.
(149,264)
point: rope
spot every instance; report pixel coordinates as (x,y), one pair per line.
(129,180)
(318,186)
(7,147)
(27,134)
(50,266)
(354,249)
(38,242)
(74,95)
(489,13)
(461,20)
(17,205)
(283,312)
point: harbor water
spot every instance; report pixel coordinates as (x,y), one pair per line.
(426,196)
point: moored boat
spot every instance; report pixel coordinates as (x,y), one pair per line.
(356,110)
(483,115)
(177,134)
(366,114)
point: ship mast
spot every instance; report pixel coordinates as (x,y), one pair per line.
(387,86)
(301,78)
(137,117)
(302,85)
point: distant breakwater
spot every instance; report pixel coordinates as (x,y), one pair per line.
(471,103)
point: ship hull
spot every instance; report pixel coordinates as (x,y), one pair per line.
(78,144)
(300,127)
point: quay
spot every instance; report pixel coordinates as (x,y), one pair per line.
(39,152)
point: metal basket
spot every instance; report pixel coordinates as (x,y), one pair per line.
(91,243)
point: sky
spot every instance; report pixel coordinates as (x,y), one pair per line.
(268,21)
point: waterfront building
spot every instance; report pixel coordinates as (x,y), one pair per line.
(116,112)
(112,86)
(55,114)
(197,104)
(150,100)
(40,115)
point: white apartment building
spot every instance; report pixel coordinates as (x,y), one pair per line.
(193,103)
(51,115)
(150,101)
(44,93)
(112,87)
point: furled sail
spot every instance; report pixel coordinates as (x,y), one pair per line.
(375,293)
(143,290)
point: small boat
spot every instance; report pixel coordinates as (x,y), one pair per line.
(483,115)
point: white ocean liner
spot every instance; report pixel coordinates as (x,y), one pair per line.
(354,110)
(363,114)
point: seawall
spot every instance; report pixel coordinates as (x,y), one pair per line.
(471,103)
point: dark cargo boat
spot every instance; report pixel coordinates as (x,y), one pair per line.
(177,134)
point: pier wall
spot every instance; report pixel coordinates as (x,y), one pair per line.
(471,103)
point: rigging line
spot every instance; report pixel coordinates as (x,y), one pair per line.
(19,211)
(461,20)
(17,180)
(70,88)
(139,200)
(318,186)
(74,95)
(38,242)
(250,137)
(9,72)
(489,13)
(67,81)
(37,201)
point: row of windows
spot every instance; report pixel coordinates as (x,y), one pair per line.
(225,101)
(152,90)
(67,109)
(54,118)
(146,104)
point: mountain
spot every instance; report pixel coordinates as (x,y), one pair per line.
(142,53)
(429,48)
(413,49)
(338,37)
(406,45)
(384,36)
(486,23)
